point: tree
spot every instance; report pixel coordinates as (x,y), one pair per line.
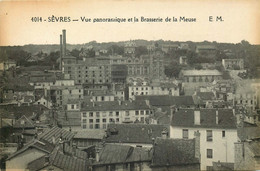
(140,50)
(172,70)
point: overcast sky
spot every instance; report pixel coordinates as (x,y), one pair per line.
(241,21)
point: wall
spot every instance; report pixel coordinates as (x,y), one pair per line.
(223,147)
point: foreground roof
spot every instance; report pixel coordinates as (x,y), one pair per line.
(170,152)
(134,133)
(56,132)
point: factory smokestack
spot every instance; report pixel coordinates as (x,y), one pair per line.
(64,42)
(61,52)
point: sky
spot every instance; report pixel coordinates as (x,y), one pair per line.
(241,21)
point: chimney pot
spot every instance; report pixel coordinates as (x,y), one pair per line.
(217,120)
(197,117)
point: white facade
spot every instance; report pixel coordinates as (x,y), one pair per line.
(100,119)
(222,144)
(152,90)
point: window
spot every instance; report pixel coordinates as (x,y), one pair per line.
(223,134)
(209,153)
(185,133)
(91,121)
(90,114)
(96,126)
(97,120)
(147,112)
(127,113)
(117,119)
(136,112)
(142,112)
(117,113)
(209,135)
(84,120)
(72,106)
(104,126)
(84,126)
(91,126)
(104,120)
(97,114)
(110,113)
(84,114)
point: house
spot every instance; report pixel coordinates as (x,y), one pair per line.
(130,47)
(200,75)
(176,154)
(183,60)
(43,101)
(6,65)
(121,157)
(88,137)
(247,155)
(218,132)
(154,88)
(245,95)
(205,49)
(23,125)
(136,135)
(168,48)
(231,64)
(31,151)
(217,166)
(62,158)
(60,95)
(96,115)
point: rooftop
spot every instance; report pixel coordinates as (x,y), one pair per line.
(201,72)
(134,133)
(116,154)
(170,152)
(165,100)
(90,134)
(185,118)
(56,132)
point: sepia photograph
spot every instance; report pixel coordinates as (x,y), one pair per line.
(127,85)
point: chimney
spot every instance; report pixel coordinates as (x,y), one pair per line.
(197,117)
(119,102)
(53,140)
(61,52)
(147,102)
(164,134)
(197,144)
(173,110)
(234,112)
(97,154)
(64,43)
(217,116)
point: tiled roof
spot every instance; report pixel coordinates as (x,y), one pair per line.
(57,133)
(255,147)
(200,72)
(62,161)
(114,105)
(170,152)
(134,133)
(165,100)
(19,111)
(40,145)
(117,154)
(90,134)
(24,122)
(205,95)
(185,118)
(248,132)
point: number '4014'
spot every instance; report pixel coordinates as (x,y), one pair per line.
(36,19)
